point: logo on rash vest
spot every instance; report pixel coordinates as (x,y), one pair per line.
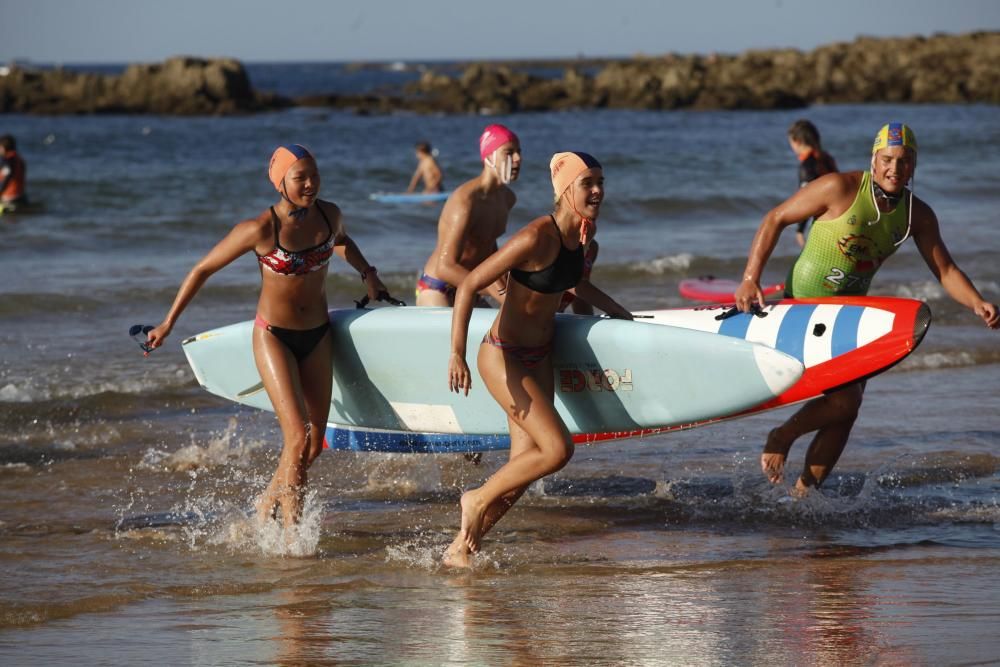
(572,380)
(861,249)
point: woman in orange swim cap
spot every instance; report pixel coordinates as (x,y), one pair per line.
(293,241)
(544,259)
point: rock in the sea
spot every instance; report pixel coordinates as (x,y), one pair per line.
(182,86)
(944,68)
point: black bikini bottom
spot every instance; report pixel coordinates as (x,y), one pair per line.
(300,342)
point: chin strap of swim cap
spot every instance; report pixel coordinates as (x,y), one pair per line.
(878,211)
(296,212)
(587,230)
(909,212)
(503,174)
(587,226)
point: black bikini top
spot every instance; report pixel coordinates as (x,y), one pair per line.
(564,273)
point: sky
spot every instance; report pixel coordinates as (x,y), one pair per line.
(120,31)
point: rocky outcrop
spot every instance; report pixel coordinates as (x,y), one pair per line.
(943,69)
(952,69)
(181,86)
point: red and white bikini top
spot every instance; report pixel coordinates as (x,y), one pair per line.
(297,262)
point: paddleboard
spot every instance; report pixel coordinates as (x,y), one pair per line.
(717,290)
(839,341)
(390,378)
(408,197)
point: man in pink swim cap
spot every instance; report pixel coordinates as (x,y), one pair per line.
(472,220)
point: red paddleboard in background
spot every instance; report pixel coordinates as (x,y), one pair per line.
(839,340)
(717,290)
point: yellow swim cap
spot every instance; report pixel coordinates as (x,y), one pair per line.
(894,134)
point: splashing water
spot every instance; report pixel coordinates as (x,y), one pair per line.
(271,538)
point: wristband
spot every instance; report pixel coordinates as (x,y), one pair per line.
(371,270)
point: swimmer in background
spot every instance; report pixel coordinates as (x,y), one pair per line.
(13,175)
(472,220)
(427,169)
(803,138)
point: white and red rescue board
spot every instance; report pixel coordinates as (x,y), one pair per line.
(839,340)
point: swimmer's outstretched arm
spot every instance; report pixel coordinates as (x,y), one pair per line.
(927,236)
(810,201)
(240,240)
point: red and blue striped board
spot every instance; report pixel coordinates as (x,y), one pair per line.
(838,340)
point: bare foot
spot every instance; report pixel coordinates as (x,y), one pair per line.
(267,507)
(772,461)
(472,520)
(457,555)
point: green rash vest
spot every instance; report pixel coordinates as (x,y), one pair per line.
(841,256)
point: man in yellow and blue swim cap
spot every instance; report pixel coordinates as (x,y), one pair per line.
(861,218)
(895,134)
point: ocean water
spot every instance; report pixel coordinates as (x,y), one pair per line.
(124,487)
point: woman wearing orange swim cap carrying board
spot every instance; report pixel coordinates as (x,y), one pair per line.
(293,241)
(861,218)
(544,259)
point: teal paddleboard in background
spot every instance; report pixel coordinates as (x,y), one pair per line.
(408,197)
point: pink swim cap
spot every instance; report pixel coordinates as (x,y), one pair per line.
(282,160)
(493,137)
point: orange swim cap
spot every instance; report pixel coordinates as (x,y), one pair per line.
(565,167)
(282,160)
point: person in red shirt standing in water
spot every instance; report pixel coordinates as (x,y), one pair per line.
(13,175)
